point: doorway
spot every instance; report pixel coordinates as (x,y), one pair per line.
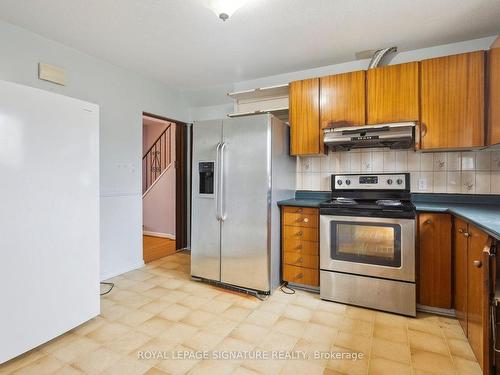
(164,186)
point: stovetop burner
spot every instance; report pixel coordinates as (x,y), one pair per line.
(389,202)
(344,201)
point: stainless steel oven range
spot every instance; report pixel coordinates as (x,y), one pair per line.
(367,243)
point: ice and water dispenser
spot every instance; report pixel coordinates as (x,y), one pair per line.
(206,172)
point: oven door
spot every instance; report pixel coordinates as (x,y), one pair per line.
(368,246)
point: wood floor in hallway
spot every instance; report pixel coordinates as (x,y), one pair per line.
(157,247)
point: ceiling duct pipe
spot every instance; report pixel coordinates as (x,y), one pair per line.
(379,55)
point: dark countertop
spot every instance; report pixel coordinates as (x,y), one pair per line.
(480,210)
(306,199)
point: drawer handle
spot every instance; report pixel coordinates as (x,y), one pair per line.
(460,230)
(477,263)
(300,260)
(428,222)
(300,210)
(299,247)
(300,276)
(300,233)
(306,220)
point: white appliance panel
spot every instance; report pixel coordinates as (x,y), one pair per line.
(49,241)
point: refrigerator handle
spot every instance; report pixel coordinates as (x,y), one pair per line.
(217,184)
(222,215)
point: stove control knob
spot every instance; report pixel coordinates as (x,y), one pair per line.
(347,182)
(389,181)
(399,181)
(339,182)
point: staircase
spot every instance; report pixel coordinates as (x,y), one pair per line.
(157,160)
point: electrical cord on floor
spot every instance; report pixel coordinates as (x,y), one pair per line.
(111,286)
(286,289)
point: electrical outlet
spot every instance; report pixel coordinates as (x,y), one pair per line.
(422,184)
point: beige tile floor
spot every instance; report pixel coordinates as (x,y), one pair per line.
(158,308)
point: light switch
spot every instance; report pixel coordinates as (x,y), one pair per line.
(52,74)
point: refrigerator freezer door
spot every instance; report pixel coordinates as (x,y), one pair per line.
(245,202)
(205,234)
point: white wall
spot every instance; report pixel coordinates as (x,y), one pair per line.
(122,97)
(213,103)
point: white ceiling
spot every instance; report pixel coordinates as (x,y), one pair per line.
(183,44)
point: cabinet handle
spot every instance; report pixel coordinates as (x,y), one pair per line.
(299,247)
(466,234)
(460,230)
(300,233)
(428,222)
(300,276)
(299,210)
(423,130)
(306,220)
(477,263)
(300,260)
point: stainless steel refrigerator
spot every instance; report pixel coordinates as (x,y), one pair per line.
(241,168)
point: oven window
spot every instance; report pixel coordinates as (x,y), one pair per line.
(369,243)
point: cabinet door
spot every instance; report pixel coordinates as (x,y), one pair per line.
(494,95)
(393,93)
(460,271)
(452,101)
(477,294)
(343,100)
(306,136)
(434,282)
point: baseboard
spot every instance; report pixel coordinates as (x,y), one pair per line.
(158,234)
(122,270)
(436,310)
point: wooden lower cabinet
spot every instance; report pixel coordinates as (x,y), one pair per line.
(478,295)
(455,271)
(472,288)
(300,245)
(460,272)
(434,276)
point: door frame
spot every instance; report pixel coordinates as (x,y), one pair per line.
(182,188)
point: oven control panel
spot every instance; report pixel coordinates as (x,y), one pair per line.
(397,181)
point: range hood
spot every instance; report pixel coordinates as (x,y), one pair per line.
(399,135)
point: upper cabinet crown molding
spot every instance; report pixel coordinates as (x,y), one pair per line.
(452,101)
(393,93)
(306,137)
(342,99)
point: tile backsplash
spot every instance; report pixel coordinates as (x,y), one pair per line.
(470,172)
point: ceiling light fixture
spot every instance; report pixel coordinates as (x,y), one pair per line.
(225,8)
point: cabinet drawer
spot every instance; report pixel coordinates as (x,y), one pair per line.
(291,245)
(300,233)
(300,275)
(300,210)
(301,220)
(296,259)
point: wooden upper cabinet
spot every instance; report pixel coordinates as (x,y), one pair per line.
(306,137)
(434,276)
(393,93)
(494,94)
(452,101)
(343,99)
